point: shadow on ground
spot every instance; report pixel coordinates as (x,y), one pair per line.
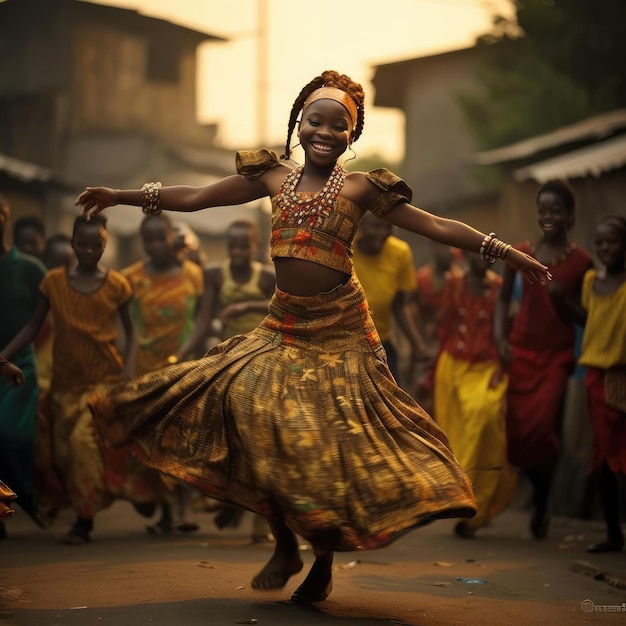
(209,612)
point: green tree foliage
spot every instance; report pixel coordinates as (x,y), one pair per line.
(559,62)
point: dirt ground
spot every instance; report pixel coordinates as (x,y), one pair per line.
(127,578)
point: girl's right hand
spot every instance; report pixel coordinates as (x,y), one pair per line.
(96,199)
(531,269)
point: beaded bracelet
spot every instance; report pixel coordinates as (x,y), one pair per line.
(493,248)
(150,199)
(485,248)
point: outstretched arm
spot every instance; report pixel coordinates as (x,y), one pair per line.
(236,189)
(460,235)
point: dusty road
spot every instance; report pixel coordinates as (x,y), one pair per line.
(129,578)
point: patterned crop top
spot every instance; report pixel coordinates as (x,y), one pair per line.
(326,237)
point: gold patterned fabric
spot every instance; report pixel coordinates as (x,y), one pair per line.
(325,237)
(6,498)
(299,419)
(85,351)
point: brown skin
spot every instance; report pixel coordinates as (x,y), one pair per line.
(86,277)
(30,241)
(611,250)
(554,220)
(242,247)
(610,246)
(325,133)
(12,374)
(59,254)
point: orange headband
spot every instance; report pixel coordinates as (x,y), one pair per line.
(338,95)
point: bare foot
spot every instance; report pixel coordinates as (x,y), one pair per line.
(319,582)
(277,571)
(285,561)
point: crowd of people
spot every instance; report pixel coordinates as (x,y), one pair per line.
(277,388)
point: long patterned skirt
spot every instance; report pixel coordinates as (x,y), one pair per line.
(299,420)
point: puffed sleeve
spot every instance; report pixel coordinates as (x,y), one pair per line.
(123,288)
(394,190)
(254,163)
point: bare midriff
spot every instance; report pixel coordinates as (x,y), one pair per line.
(305,278)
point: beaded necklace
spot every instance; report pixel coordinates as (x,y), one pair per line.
(314,210)
(569,248)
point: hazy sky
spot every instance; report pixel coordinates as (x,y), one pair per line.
(303,39)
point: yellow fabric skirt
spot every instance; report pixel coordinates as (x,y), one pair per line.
(299,420)
(472,414)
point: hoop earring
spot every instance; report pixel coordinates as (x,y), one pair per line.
(294,147)
(353,155)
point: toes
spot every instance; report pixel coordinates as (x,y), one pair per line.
(269,581)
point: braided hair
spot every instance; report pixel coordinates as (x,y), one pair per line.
(329,78)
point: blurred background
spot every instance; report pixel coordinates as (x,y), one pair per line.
(475,103)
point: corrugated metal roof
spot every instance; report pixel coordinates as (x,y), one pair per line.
(596,127)
(23,170)
(591,160)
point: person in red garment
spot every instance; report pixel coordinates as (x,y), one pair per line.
(539,349)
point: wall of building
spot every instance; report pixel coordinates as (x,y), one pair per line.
(438,144)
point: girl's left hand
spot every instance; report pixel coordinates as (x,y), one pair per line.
(534,271)
(13,374)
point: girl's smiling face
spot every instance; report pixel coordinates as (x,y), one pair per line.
(553,216)
(325,131)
